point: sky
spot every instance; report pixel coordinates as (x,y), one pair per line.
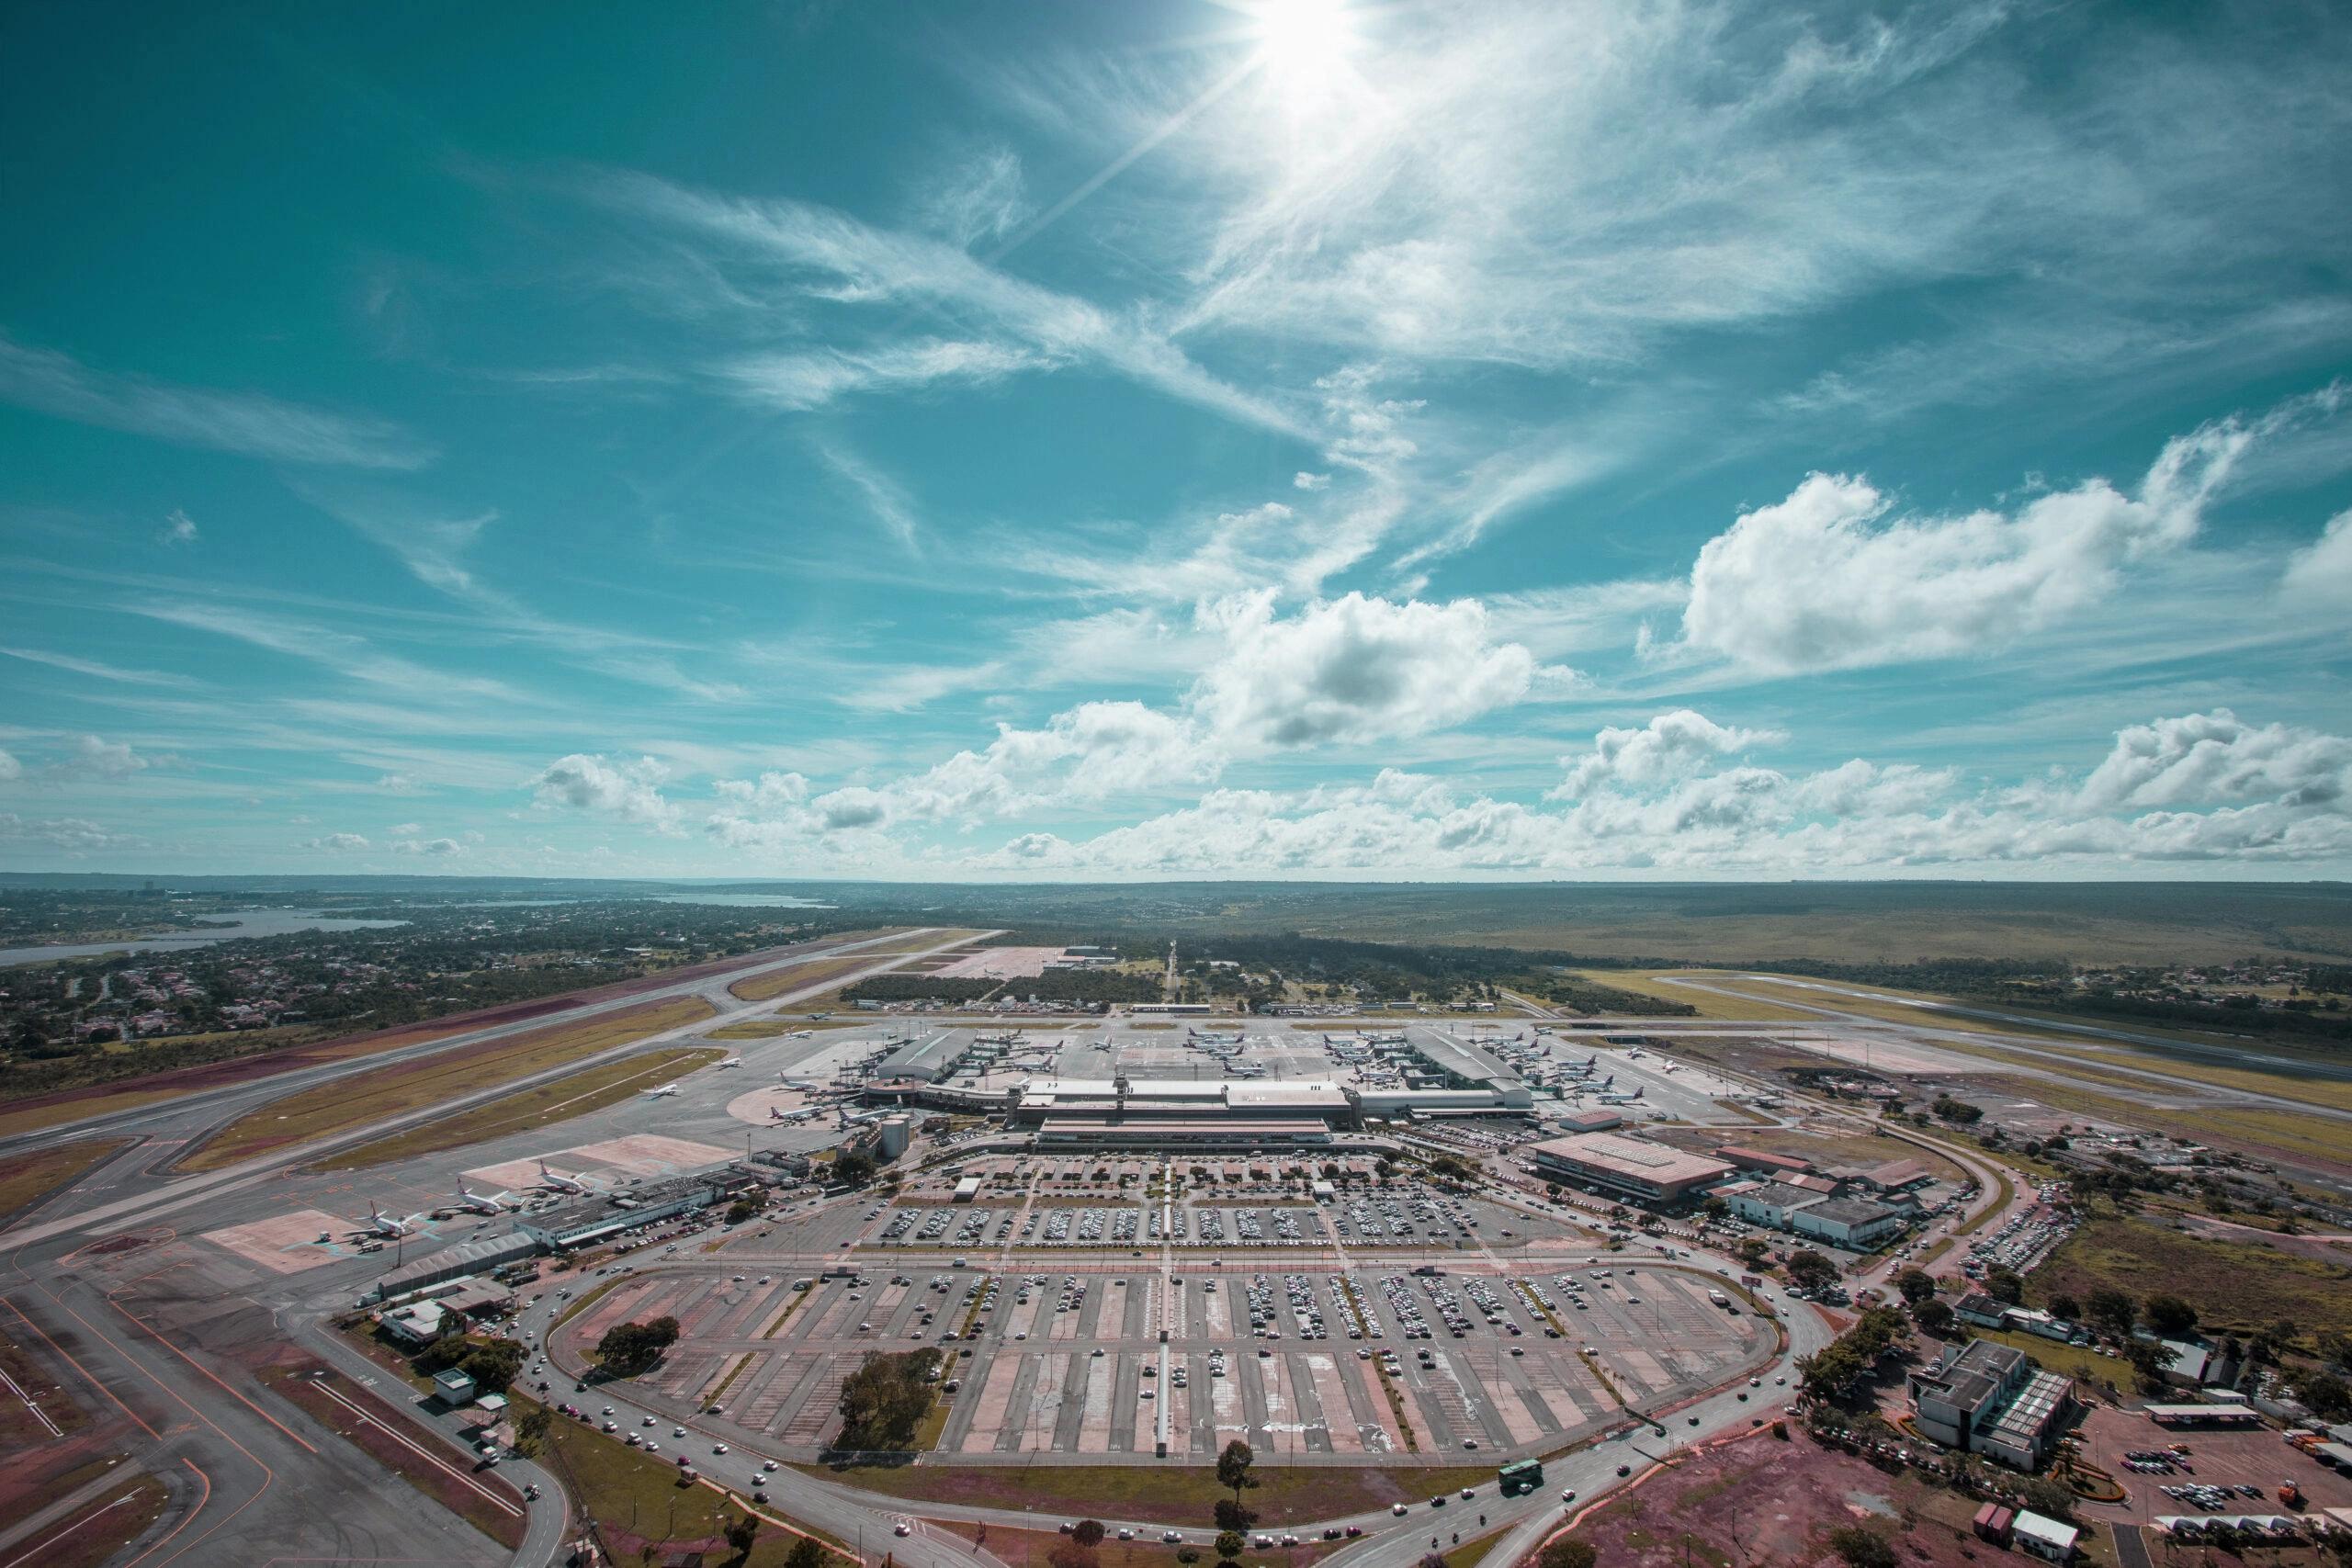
(1316,438)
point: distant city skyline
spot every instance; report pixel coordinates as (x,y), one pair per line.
(1384,440)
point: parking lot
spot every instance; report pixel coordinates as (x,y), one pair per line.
(2212,1461)
(1046,1362)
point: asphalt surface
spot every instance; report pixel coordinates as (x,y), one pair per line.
(159,1341)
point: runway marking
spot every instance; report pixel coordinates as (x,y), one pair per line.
(432,1459)
(157,1336)
(69,1530)
(39,1414)
(192,1513)
(87,1375)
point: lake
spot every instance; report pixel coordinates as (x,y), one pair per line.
(249,923)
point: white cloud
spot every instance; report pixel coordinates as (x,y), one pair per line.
(1669,746)
(406,829)
(428,847)
(1352,669)
(337,843)
(398,783)
(769,792)
(229,421)
(179,528)
(75,835)
(2215,759)
(812,378)
(94,668)
(983,197)
(624,789)
(91,757)
(2319,576)
(1304,480)
(884,496)
(1833,579)
(820,253)
(11,769)
(2202,787)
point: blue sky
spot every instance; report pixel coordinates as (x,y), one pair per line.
(1035,441)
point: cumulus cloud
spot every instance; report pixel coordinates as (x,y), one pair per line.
(1668,745)
(1354,669)
(2319,576)
(2215,759)
(624,789)
(398,783)
(1836,577)
(75,835)
(1305,481)
(2199,787)
(93,757)
(428,847)
(179,528)
(337,843)
(11,769)
(769,792)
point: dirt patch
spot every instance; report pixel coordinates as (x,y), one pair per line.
(1184,1496)
(1759,1500)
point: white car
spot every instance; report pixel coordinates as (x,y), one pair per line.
(902,1527)
(1570,1495)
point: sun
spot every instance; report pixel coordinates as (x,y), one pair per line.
(1302,45)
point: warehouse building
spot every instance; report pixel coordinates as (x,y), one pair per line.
(1627,1168)
(481,1257)
(931,1059)
(1855,1223)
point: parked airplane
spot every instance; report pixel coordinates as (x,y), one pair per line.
(492,1204)
(732,1062)
(560,1182)
(658,1093)
(384,1224)
(1621,1099)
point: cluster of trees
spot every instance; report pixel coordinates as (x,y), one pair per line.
(1837,1367)
(628,1348)
(918,988)
(1958,1112)
(1590,997)
(886,1399)
(493,1364)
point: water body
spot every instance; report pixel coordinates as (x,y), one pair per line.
(742,900)
(249,923)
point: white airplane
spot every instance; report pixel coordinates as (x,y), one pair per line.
(658,1093)
(1620,1099)
(384,1224)
(479,1203)
(561,1183)
(730,1062)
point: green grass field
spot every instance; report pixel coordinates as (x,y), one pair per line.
(558,1099)
(2231,1284)
(1183,1495)
(25,1177)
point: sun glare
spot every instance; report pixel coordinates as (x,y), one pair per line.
(1302,44)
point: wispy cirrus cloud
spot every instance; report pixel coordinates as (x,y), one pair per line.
(249,423)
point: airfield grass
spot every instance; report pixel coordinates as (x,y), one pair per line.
(2232,1285)
(769,1028)
(114,1519)
(25,1179)
(2064,1052)
(2266,1134)
(1708,1004)
(558,1099)
(776,983)
(40,1116)
(412,1086)
(1183,1495)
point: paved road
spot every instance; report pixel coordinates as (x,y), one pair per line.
(253,1478)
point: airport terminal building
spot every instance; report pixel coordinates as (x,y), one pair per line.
(1633,1169)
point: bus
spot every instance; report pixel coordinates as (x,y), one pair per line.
(1525,1475)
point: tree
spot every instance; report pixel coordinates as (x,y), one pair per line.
(1230,1544)
(1568,1553)
(807,1551)
(2063,1306)
(2168,1315)
(1810,1268)
(1916,1284)
(493,1364)
(2327,1395)
(2110,1309)
(2003,1287)
(2149,1360)
(852,1170)
(1862,1548)
(2054,1498)
(531,1431)
(1934,1315)
(628,1348)
(886,1398)
(741,1535)
(1087,1532)
(1233,1469)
